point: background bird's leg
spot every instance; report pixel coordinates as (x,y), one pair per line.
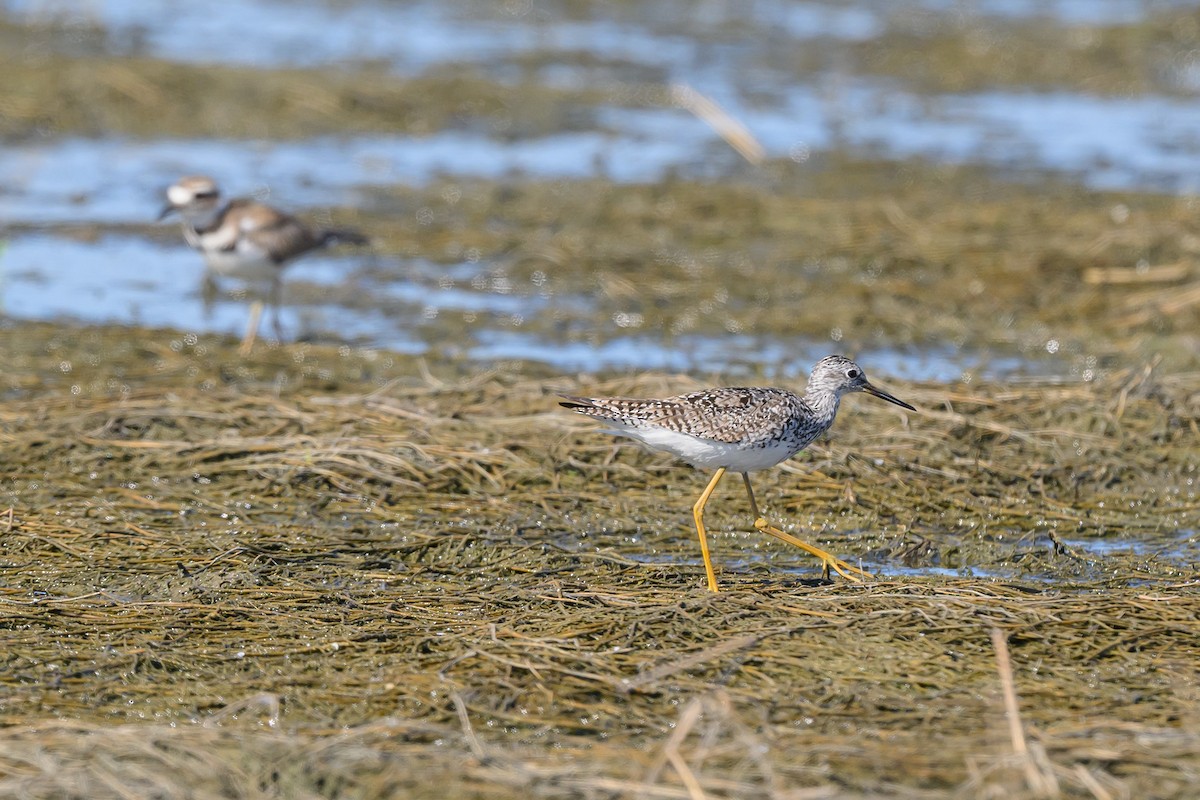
(698,514)
(827,560)
(275,299)
(256,309)
(209,289)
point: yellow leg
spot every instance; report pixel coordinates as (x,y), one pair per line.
(698,514)
(827,560)
(256,310)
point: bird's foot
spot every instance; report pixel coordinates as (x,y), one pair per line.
(828,561)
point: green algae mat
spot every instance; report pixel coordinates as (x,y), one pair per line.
(341,572)
(334,572)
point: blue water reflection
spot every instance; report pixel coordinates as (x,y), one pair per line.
(631,52)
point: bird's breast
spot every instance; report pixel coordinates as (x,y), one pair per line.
(710,453)
(248,265)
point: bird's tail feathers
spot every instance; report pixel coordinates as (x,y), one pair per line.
(576,403)
(343,236)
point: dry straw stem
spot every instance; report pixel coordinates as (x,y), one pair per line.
(1039,779)
(311,576)
(736,134)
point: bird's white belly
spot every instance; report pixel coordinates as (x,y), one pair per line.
(710,453)
(244,263)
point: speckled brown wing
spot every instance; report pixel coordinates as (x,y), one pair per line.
(280,235)
(737,415)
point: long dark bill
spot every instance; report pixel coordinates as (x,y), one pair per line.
(882,395)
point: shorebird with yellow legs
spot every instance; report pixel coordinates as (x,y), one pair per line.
(743,429)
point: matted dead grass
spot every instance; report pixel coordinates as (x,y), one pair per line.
(330,573)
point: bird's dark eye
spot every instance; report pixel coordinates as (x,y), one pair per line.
(852,373)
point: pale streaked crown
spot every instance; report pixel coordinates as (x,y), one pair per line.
(837,374)
(193,189)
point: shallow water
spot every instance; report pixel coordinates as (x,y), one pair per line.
(136,281)
(1125,143)
(738,554)
(1142,142)
(1178,546)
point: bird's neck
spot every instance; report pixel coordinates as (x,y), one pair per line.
(824,405)
(202,220)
